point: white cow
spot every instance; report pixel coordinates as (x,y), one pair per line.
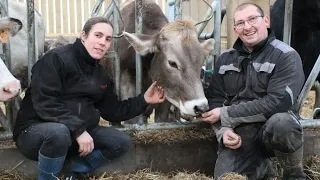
(19,44)
(9,85)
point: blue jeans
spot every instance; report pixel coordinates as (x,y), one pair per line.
(54,140)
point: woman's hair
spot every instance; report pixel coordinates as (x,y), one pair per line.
(92,21)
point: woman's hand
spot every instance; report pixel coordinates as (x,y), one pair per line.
(86,144)
(154,94)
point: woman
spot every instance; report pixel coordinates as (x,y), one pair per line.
(69,91)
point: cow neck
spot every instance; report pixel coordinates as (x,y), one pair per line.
(82,55)
(239,46)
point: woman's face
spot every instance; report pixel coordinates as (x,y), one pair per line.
(98,40)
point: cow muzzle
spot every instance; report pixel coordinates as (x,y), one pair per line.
(198,110)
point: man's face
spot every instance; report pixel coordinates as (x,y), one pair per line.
(250,26)
(98,40)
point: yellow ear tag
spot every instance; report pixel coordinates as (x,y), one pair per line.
(4,35)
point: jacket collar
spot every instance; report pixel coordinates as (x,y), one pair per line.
(239,46)
(82,55)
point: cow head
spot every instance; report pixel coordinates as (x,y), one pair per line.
(176,65)
(9,85)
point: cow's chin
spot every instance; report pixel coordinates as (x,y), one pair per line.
(187,117)
(183,112)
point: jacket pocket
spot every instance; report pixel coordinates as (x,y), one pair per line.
(261,77)
(85,110)
(232,78)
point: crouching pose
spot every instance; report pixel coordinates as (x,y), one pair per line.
(253,90)
(69,91)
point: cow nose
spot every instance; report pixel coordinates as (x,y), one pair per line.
(198,110)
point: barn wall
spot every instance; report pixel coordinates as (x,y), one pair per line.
(63,19)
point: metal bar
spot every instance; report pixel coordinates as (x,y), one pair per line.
(4,121)
(287,24)
(308,85)
(212,58)
(138,29)
(172,2)
(116,31)
(82,13)
(310,123)
(7,120)
(4,136)
(54,15)
(208,14)
(75,16)
(204,36)
(96,8)
(217,30)
(161,126)
(48,17)
(178,10)
(111,8)
(31,35)
(68,15)
(61,18)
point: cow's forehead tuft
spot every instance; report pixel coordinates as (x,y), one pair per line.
(178,26)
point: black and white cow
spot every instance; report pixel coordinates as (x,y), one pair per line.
(305,36)
(9,85)
(19,44)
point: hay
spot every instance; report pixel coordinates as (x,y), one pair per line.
(147,174)
(232,176)
(308,106)
(312,167)
(171,136)
(13,175)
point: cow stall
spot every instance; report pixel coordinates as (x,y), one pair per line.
(193,152)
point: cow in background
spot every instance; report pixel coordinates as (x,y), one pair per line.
(19,44)
(9,85)
(305,35)
(54,43)
(172,55)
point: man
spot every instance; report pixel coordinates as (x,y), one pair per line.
(252,92)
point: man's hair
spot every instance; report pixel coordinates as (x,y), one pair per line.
(95,20)
(244,5)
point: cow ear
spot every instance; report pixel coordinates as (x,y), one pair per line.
(207,46)
(142,43)
(9,27)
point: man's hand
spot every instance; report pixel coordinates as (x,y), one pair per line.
(154,94)
(211,116)
(86,144)
(231,140)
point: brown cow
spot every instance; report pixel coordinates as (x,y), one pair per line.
(172,55)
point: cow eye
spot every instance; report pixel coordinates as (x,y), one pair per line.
(173,64)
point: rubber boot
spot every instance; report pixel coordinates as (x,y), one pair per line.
(48,168)
(291,164)
(85,164)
